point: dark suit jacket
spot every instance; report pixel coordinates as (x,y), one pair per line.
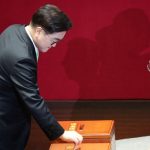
(19,93)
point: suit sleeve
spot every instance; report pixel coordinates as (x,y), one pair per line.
(24,80)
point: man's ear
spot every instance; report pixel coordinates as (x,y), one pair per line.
(38,30)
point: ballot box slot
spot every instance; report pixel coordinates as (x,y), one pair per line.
(81,127)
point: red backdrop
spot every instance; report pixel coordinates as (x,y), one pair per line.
(105,55)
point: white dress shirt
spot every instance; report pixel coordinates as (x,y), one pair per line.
(36,49)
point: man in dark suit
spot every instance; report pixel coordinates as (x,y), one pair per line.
(19,92)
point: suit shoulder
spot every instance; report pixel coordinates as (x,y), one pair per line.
(15,44)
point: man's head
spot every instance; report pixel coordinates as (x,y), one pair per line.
(49,25)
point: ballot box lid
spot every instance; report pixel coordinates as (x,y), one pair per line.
(91,129)
(83,146)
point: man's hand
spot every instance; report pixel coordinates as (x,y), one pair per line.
(72,136)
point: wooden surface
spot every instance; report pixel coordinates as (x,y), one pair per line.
(132,118)
(83,146)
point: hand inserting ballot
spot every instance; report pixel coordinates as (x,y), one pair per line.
(72,136)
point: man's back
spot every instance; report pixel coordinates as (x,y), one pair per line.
(14,116)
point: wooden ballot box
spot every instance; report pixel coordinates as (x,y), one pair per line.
(93,131)
(83,146)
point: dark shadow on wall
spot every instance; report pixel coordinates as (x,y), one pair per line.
(81,64)
(123,73)
(113,66)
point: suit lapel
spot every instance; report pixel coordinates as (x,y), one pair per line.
(28,41)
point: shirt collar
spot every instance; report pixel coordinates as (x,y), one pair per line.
(36,49)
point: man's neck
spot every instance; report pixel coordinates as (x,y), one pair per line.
(30,30)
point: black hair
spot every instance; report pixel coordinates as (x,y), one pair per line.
(51,19)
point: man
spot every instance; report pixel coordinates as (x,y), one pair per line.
(19,93)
